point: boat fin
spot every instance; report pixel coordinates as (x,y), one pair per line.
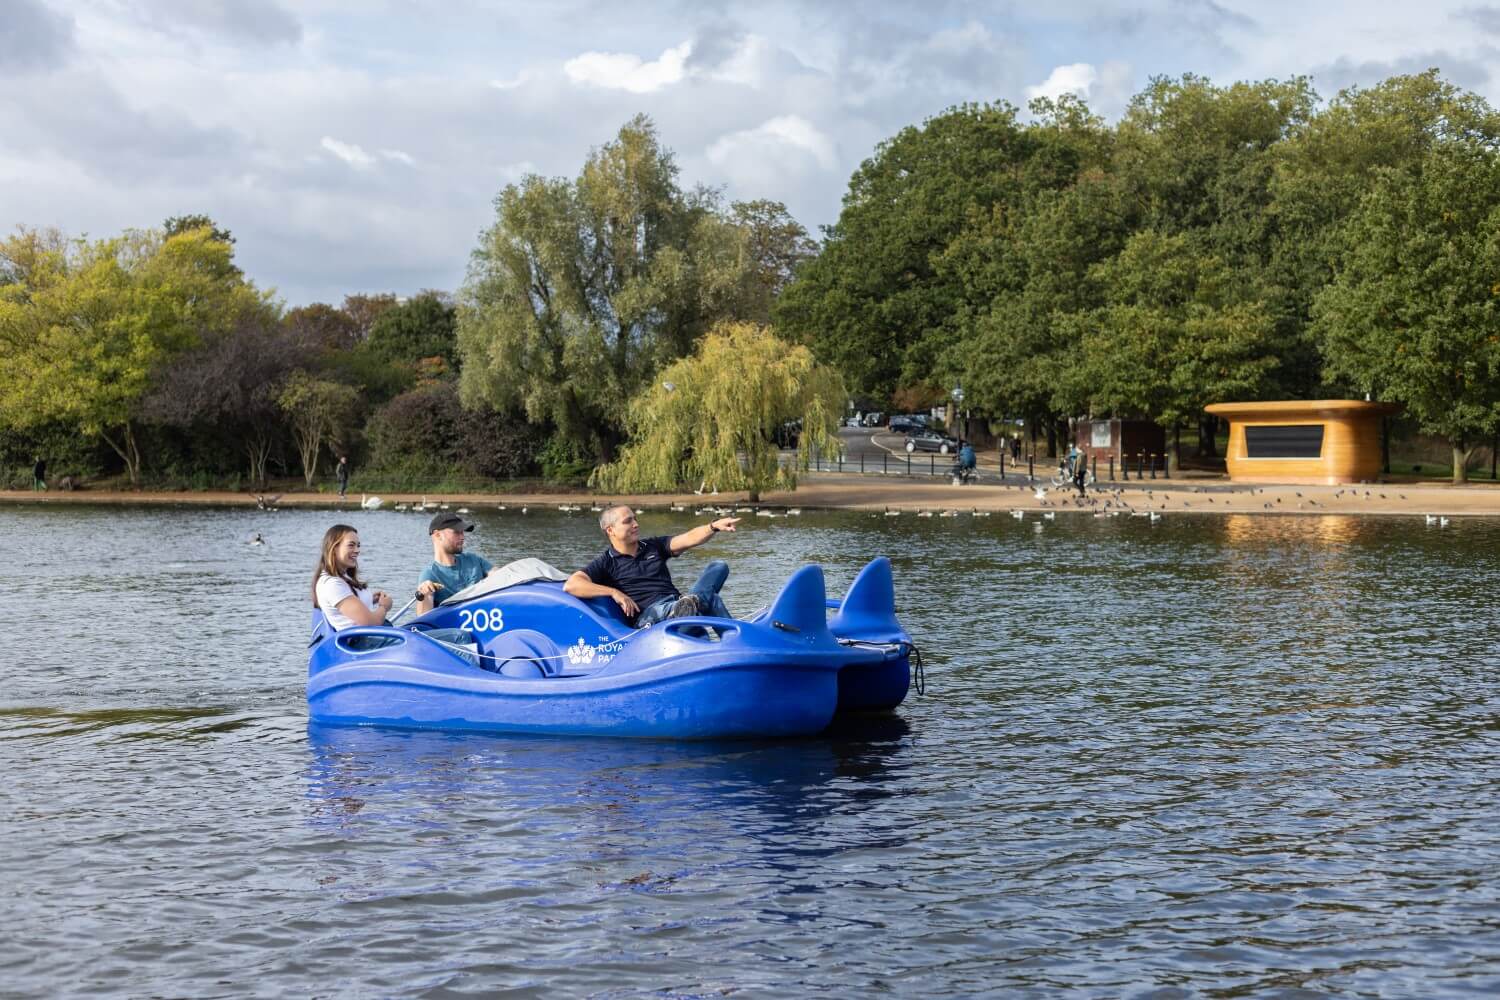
(869,608)
(799,607)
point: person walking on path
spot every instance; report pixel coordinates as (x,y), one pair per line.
(343,476)
(39,474)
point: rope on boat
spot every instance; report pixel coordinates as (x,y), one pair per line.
(462,649)
(919,672)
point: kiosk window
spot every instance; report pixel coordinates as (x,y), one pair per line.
(1297,441)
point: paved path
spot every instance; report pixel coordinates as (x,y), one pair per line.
(852,491)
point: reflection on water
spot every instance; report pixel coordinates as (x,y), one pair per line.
(1207,756)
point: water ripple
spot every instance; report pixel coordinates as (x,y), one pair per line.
(1222,756)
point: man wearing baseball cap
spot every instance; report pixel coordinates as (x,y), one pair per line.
(452,569)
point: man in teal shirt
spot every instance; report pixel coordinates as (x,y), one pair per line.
(452,569)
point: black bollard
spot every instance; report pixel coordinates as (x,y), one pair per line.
(1002,463)
(1096,468)
(1153,465)
(1166,468)
(1031,466)
(1111,467)
(1140,465)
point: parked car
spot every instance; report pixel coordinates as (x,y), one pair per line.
(788,435)
(874,418)
(923,439)
(903,424)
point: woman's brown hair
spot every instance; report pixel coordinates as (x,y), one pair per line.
(331,539)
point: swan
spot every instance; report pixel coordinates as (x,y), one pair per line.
(1432,519)
(369,502)
(1051,515)
(1019,515)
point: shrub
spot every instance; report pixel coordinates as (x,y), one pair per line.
(427,433)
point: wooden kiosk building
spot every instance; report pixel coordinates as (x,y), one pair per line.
(1324,441)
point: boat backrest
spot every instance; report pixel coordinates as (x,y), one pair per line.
(868,610)
(320,628)
(526,653)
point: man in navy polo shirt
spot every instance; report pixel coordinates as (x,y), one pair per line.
(633,571)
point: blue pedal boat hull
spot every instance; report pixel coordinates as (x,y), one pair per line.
(552,664)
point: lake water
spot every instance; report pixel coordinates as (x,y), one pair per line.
(1221,756)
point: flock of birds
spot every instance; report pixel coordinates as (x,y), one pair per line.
(1102,503)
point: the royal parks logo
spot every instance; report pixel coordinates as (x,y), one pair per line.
(582,654)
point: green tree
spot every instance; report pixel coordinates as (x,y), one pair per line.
(712,417)
(1327,166)
(776,246)
(319,410)
(420,328)
(88,326)
(582,289)
(1413,314)
(874,302)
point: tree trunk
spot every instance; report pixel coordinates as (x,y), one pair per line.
(1051,439)
(258,448)
(1208,429)
(1385,445)
(309,439)
(1461,453)
(1177,444)
(128,451)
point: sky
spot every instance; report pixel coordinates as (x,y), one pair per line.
(357,146)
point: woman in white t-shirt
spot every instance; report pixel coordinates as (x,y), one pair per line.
(345,599)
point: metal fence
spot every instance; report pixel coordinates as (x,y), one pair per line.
(992,465)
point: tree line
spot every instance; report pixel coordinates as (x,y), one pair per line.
(152,353)
(1217,243)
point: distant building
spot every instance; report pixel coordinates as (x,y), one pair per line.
(1323,441)
(1136,442)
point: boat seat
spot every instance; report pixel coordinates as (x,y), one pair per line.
(524,652)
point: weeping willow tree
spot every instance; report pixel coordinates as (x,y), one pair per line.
(712,417)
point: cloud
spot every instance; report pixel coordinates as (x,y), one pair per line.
(350,153)
(624,71)
(33,37)
(258,22)
(1106,89)
(772,141)
(1467,73)
(1074,78)
(1486,19)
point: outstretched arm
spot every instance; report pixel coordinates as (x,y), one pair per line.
(697,536)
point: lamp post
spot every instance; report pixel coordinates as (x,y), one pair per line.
(957,395)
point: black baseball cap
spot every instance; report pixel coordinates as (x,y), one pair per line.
(448,519)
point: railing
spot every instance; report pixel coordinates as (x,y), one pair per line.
(993,465)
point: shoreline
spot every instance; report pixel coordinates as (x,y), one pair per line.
(830,491)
